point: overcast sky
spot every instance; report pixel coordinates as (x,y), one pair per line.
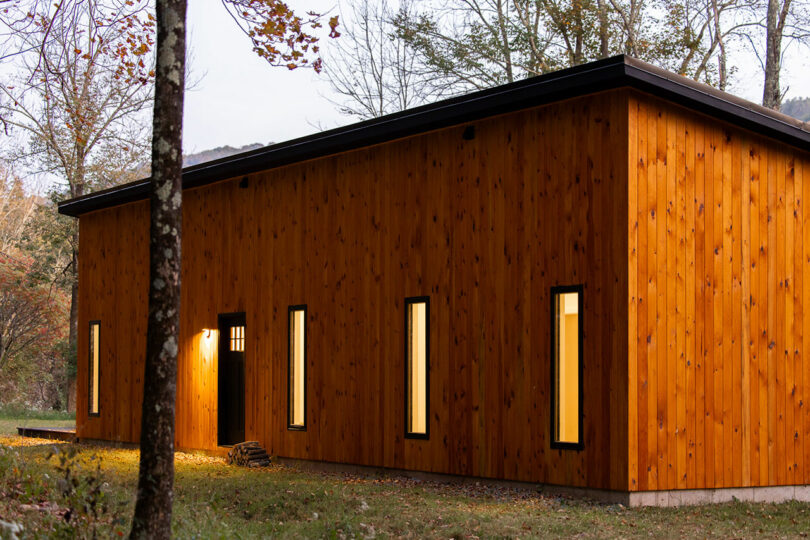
(240,99)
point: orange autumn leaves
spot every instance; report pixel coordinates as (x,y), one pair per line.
(279,35)
(30,310)
(120,34)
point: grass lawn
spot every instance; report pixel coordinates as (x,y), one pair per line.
(11,419)
(214,500)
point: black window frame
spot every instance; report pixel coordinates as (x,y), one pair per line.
(408,302)
(290,311)
(95,322)
(556,291)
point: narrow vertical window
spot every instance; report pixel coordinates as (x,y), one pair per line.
(94,365)
(417,367)
(296,386)
(567,366)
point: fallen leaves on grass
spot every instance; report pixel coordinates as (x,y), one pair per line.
(197,459)
(25,442)
(47,507)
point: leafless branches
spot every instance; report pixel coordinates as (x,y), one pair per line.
(463,45)
(371,67)
(78,92)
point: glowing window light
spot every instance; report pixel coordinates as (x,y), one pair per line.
(297,368)
(567,358)
(94,359)
(417,313)
(237,338)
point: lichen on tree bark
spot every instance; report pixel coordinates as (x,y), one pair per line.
(153,507)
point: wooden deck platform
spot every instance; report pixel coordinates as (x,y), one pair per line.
(53,433)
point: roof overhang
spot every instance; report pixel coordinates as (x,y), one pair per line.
(616,72)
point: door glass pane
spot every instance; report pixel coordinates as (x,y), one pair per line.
(237,339)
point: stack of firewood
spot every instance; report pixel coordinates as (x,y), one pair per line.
(248,454)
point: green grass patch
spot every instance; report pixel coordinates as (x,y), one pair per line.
(12,412)
(214,500)
(13,417)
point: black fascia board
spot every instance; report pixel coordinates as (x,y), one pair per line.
(607,74)
(715,103)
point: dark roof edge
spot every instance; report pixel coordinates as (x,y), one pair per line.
(588,78)
(709,100)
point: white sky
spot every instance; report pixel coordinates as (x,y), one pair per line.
(242,100)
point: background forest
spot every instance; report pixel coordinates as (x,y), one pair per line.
(76,86)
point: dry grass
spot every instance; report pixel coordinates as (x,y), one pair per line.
(214,500)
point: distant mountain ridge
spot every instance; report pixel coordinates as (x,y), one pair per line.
(798,108)
(218,153)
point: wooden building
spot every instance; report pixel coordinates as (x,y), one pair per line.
(593,278)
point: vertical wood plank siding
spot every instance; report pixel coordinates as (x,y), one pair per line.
(484,227)
(113,268)
(689,235)
(718,250)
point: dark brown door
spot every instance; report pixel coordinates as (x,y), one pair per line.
(231,379)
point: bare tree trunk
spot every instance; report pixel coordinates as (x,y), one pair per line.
(73,328)
(76,184)
(505,45)
(153,507)
(603,29)
(722,70)
(579,30)
(775,26)
(73,331)
(629,15)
